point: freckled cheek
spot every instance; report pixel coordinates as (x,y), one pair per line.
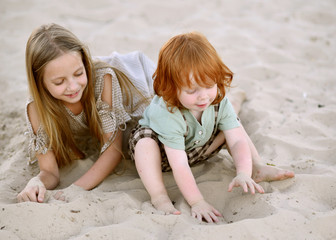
(84,82)
(56,93)
(214,94)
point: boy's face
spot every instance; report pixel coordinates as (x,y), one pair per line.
(197,98)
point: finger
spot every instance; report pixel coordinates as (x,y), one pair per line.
(251,187)
(231,185)
(41,193)
(217,213)
(199,217)
(207,217)
(32,198)
(213,217)
(33,195)
(177,213)
(259,188)
(244,186)
(58,195)
(25,198)
(19,198)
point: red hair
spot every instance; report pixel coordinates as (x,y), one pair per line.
(187,54)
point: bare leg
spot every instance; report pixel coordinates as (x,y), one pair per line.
(260,171)
(148,163)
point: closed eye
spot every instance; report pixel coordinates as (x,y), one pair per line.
(79,74)
(191,91)
(59,82)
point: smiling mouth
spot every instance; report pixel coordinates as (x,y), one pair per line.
(73,95)
(201,105)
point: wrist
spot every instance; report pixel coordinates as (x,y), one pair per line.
(35,181)
(246,173)
(195,202)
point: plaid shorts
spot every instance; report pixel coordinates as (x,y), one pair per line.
(195,156)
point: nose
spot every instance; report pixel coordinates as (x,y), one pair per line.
(72,84)
(203,94)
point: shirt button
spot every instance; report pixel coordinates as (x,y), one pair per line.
(197,142)
(200,132)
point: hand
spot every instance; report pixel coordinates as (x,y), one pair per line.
(202,209)
(246,183)
(33,192)
(66,194)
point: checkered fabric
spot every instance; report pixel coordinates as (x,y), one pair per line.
(195,156)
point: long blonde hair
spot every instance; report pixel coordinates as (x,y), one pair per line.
(45,44)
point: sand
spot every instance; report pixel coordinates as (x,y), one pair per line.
(283,56)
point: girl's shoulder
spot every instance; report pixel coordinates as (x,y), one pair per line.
(101,75)
(101,72)
(32,118)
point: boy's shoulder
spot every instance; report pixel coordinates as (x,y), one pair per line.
(158,107)
(158,112)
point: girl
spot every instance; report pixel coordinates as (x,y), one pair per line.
(74,100)
(189,120)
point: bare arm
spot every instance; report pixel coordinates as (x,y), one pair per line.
(240,151)
(111,157)
(185,180)
(104,165)
(183,176)
(49,173)
(48,178)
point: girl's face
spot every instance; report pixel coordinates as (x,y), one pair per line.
(197,98)
(65,78)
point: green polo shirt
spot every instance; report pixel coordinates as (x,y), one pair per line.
(171,127)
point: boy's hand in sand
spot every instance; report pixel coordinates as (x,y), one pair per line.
(33,192)
(246,183)
(203,210)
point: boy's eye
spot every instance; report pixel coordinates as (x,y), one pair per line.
(190,91)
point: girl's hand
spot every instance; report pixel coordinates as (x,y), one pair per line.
(246,183)
(202,209)
(67,194)
(33,192)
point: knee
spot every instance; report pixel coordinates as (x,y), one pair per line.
(146,143)
(146,147)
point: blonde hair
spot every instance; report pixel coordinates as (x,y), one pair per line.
(45,44)
(185,54)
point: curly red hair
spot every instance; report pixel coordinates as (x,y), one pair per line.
(187,54)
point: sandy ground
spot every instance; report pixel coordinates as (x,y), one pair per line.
(283,56)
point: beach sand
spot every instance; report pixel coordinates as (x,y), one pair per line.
(283,56)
